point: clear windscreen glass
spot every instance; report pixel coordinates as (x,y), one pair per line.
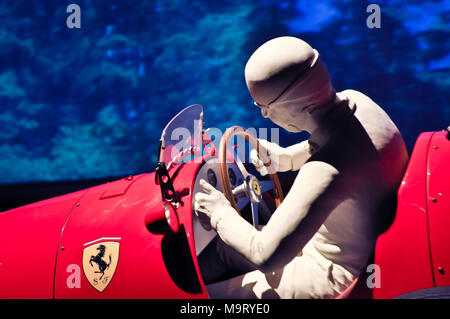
(181,139)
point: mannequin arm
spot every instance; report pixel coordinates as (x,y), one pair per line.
(282,158)
(299,154)
(260,246)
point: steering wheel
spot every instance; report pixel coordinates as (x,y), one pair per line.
(251,186)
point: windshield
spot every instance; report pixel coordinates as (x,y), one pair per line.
(181,138)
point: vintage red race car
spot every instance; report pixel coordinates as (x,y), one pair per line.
(138,237)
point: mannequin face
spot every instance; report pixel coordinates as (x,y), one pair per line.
(286,115)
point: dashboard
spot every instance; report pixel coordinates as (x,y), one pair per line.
(203,233)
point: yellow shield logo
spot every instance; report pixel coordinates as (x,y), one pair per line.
(100,260)
(256,188)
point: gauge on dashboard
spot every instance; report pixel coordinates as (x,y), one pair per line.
(232,176)
(212,179)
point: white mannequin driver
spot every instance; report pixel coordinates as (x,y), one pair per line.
(320,238)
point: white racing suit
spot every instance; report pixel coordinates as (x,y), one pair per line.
(319,239)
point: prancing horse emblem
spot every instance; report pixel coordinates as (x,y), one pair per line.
(100,258)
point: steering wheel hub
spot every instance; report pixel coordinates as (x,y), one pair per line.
(255,187)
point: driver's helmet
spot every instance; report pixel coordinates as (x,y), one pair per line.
(287,69)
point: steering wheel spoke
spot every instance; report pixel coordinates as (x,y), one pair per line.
(265,186)
(240,190)
(255,217)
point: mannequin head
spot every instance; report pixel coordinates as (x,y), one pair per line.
(289,82)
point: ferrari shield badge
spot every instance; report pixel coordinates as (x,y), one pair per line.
(100,260)
(256,188)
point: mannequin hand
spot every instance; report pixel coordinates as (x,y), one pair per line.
(212,204)
(280,159)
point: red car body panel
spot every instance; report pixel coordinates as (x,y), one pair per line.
(55,232)
(417,243)
(141,270)
(438,201)
(29,238)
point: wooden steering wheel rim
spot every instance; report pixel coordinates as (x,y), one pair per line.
(223,166)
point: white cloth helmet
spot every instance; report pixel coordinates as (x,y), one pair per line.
(287,79)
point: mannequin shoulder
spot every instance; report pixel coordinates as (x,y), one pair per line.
(355,97)
(369,113)
(380,128)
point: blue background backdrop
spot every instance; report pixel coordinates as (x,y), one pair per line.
(91,102)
